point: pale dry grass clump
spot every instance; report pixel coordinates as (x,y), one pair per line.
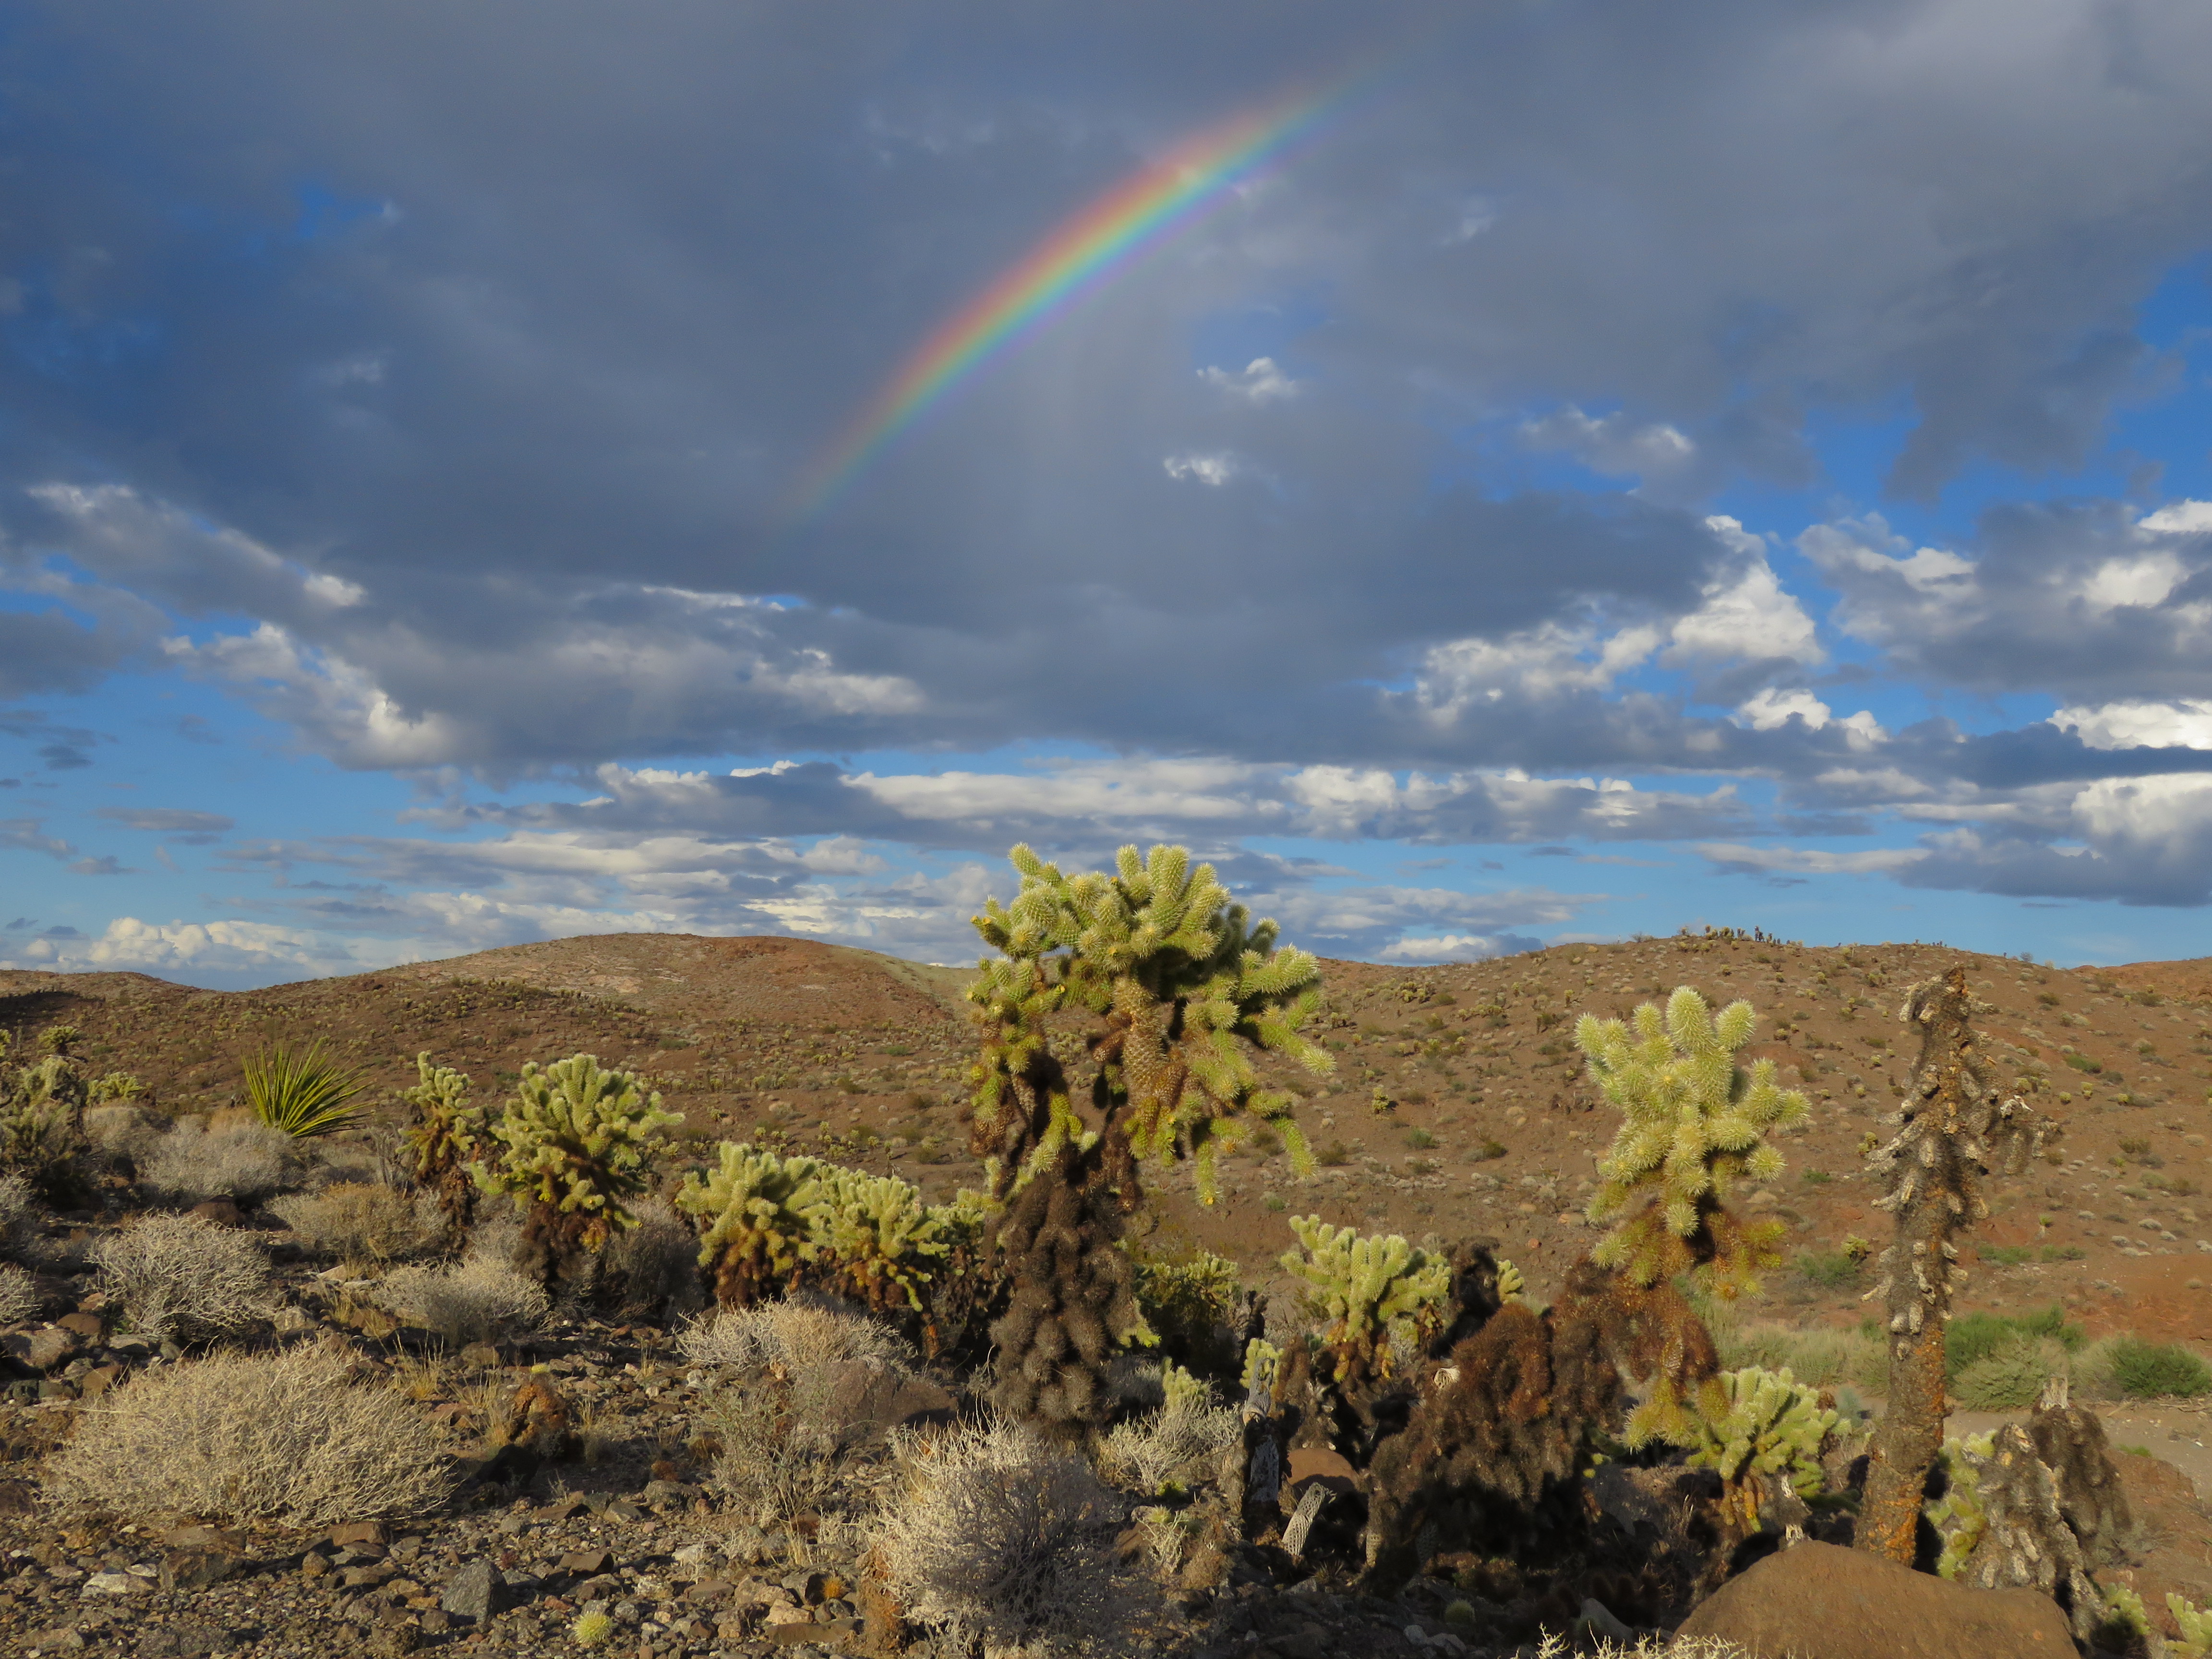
(18,1217)
(244,1161)
(1181,1443)
(654,1266)
(796,1334)
(1553,1646)
(478,1299)
(364,1221)
(124,1132)
(180,1278)
(784,1453)
(1001,1536)
(290,1439)
(19,1295)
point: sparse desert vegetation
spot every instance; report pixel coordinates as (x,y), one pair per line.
(1561,1324)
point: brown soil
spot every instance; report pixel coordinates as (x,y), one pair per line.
(1489,1129)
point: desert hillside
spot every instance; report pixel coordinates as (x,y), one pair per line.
(1459,1106)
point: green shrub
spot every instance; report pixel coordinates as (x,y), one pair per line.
(1829,1269)
(2150,1371)
(1975,1337)
(2011,1379)
(303,1094)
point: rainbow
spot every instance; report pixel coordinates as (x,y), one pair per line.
(1164,196)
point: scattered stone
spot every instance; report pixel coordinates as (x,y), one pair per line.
(361,1532)
(89,1326)
(114,1583)
(42,1350)
(476,1593)
(196,1568)
(589,1564)
(219,1210)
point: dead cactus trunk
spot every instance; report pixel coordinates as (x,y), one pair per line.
(1934,1166)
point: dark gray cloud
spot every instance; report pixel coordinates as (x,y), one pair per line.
(468,354)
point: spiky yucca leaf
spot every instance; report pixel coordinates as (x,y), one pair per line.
(304,1093)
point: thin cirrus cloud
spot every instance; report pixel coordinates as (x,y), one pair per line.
(412,396)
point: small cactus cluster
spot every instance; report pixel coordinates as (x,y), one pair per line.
(1694,1124)
(768,1220)
(1375,1292)
(1754,1426)
(42,1111)
(445,1138)
(2195,1624)
(571,1149)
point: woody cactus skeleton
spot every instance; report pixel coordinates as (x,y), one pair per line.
(1183,990)
(1951,1122)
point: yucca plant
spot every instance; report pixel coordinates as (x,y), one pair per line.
(303,1093)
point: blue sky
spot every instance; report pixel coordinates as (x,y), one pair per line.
(1750,464)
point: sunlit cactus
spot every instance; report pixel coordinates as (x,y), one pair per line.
(1185,991)
(446,1136)
(1374,1290)
(755,1236)
(1694,1125)
(879,1242)
(573,1151)
(1756,1425)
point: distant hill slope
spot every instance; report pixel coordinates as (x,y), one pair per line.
(1459,1106)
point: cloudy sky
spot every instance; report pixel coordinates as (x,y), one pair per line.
(1609,467)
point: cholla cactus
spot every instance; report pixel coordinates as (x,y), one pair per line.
(1952,1119)
(1958,1517)
(1756,1424)
(574,1144)
(42,1114)
(1185,990)
(445,1138)
(755,1236)
(2195,1624)
(1694,1125)
(1374,1290)
(1188,990)
(880,1242)
(1263,1362)
(2010,1533)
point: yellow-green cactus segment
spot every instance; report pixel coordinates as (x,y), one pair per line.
(1756,1422)
(575,1139)
(1372,1289)
(755,1234)
(1693,1125)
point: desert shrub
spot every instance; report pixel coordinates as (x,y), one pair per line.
(794,1334)
(780,1452)
(302,1093)
(245,1162)
(125,1133)
(1174,1446)
(291,1439)
(360,1221)
(19,1216)
(1972,1337)
(477,1299)
(2149,1370)
(1827,1270)
(654,1266)
(19,1295)
(1001,1536)
(184,1279)
(2011,1378)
